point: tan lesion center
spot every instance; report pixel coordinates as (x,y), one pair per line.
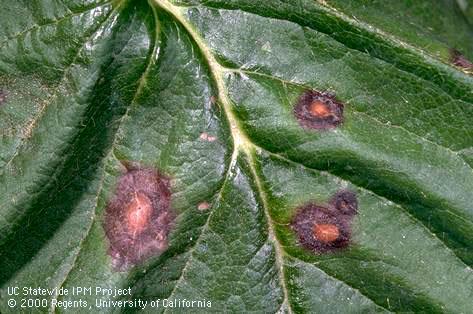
(326,233)
(319,109)
(138,213)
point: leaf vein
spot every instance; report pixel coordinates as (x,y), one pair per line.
(405,211)
(53,22)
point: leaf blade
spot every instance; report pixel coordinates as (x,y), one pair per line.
(212,107)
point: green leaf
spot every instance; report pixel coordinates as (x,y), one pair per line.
(205,92)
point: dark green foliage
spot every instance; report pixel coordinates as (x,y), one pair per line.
(205,91)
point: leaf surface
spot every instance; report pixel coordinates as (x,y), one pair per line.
(205,92)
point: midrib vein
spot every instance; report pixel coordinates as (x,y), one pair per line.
(240,140)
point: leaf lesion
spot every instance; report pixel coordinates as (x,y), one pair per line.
(376,120)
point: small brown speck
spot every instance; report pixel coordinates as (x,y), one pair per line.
(203,206)
(3,96)
(206,137)
(213,100)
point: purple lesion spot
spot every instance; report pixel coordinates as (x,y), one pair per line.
(318,110)
(459,60)
(326,228)
(3,96)
(138,217)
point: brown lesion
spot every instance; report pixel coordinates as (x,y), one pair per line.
(326,228)
(345,202)
(318,110)
(138,218)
